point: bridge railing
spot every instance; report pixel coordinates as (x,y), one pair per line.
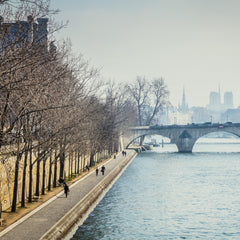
(190,125)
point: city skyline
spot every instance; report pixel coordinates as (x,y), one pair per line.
(222,98)
(189,43)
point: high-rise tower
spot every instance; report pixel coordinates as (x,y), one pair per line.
(228,99)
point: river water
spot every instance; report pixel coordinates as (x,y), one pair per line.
(166,195)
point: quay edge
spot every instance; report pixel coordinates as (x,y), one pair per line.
(69,223)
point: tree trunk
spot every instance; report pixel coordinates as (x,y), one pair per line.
(62,159)
(92,159)
(30,174)
(14,201)
(38,176)
(50,172)
(24,178)
(55,170)
(44,176)
(75,161)
(15,188)
(71,165)
(84,161)
(78,160)
(30,183)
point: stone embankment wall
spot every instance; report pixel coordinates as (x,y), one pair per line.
(66,223)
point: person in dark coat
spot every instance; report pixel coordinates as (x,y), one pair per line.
(61,181)
(103,169)
(97,171)
(66,189)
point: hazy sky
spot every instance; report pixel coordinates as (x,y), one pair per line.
(191,43)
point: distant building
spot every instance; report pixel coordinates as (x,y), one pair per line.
(200,115)
(216,108)
(24,32)
(231,115)
(228,100)
(214,99)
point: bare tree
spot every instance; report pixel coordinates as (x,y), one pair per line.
(149,98)
(49,103)
(138,92)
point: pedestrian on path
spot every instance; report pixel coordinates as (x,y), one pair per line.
(96,171)
(103,169)
(61,181)
(87,167)
(66,189)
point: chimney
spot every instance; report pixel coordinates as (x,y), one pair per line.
(30,21)
(42,30)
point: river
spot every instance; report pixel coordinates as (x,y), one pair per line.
(166,195)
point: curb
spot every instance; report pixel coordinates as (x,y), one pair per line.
(78,212)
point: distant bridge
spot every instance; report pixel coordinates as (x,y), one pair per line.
(184,136)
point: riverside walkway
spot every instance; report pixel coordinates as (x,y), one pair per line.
(34,225)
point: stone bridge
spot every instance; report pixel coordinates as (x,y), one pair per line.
(184,136)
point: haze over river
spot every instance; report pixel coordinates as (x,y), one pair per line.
(166,195)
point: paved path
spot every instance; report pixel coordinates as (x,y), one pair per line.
(38,222)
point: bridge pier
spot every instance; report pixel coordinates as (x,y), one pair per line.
(185,145)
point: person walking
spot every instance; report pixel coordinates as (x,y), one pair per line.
(97,171)
(61,181)
(66,189)
(87,168)
(103,169)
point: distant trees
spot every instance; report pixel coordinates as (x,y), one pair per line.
(119,114)
(149,97)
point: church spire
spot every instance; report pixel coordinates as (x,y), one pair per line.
(184,106)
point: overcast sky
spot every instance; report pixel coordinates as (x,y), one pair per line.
(191,43)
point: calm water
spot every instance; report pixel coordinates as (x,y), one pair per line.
(166,195)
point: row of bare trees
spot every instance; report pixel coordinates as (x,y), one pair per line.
(52,107)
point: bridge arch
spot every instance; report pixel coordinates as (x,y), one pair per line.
(205,142)
(144,135)
(189,143)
